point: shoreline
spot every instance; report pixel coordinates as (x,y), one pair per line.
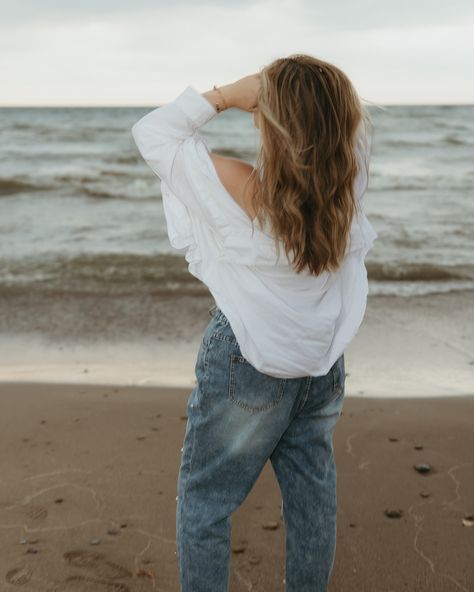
(179,387)
(87,496)
(406,347)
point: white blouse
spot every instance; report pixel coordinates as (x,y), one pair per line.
(287,325)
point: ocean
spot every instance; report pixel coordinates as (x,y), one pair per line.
(80,208)
(81,214)
(90,289)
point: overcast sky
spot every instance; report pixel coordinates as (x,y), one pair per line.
(145,52)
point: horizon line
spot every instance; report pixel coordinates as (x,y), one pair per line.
(155,105)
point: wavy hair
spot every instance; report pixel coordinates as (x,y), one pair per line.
(308,114)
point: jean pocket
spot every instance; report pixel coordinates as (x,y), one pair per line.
(338,376)
(250,389)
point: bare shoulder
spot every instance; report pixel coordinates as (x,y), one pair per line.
(233,173)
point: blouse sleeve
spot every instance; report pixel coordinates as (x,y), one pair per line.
(169,141)
(200,213)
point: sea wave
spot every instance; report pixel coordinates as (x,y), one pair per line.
(168,274)
(386,182)
(126,159)
(134,191)
(411,143)
(120,185)
(454,141)
(397,143)
(103,272)
(411,272)
(11,186)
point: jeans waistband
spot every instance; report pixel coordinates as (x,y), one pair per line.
(218,315)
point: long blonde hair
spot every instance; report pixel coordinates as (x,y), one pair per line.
(304,175)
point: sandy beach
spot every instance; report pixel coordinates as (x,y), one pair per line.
(88,494)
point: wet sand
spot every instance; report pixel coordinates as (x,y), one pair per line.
(88,494)
(405,347)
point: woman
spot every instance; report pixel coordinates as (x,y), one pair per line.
(281,247)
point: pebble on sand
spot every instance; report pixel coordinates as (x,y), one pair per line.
(423,468)
(468,520)
(393,513)
(270,525)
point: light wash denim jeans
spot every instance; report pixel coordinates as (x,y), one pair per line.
(238,418)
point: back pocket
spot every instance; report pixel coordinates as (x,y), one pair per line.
(338,372)
(252,390)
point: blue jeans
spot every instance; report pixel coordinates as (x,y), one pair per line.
(238,418)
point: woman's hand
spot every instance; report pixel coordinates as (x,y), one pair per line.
(242,93)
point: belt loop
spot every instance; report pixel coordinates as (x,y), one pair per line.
(212,310)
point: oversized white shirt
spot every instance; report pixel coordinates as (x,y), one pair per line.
(287,325)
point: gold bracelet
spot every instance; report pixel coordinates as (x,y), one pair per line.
(218,109)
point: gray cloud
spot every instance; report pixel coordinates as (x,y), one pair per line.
(332,15)
(375,14)
(29,11)
(123,53)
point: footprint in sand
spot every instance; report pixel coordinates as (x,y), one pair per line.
(85,584)
(97,564)
(18,576)
(36,512)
